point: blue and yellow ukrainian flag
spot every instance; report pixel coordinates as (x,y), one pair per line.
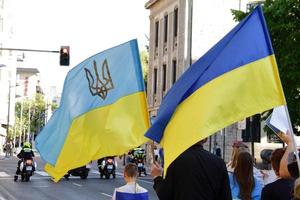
(236,78)
(103,111)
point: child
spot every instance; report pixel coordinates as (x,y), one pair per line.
(130,191)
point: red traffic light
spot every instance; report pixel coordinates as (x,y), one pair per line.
(64,58)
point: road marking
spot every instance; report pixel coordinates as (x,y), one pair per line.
(95,172)
(42,173)
(42,186)
(4,174)
(106,194)
(4,192)
(77,184)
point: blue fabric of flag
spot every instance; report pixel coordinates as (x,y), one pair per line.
(222,58)
(131,196)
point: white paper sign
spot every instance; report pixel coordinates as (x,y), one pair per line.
(279,119)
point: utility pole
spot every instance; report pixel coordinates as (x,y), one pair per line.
(32,50)
(28,136)
(8,111)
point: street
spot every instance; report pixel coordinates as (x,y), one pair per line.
(41,187)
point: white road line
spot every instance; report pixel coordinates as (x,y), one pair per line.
(4,174)
(4,192)
(106,194)
(95,172)
(42,173)
(77,184)
(42,186)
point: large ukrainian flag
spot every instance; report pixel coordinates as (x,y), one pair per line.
(103,111)
(236,78)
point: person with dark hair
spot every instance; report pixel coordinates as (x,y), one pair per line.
(131,190)
(195,175)
(280,189)
(244,185)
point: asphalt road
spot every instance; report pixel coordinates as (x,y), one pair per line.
(41,187)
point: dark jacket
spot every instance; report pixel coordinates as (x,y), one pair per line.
(280,189)
(195,175)
(26,153)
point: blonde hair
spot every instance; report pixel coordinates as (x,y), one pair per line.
(297,189)
(235,152)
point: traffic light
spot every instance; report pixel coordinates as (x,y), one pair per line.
(253,127)
(64,58)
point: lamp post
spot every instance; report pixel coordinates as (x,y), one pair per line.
(8,110)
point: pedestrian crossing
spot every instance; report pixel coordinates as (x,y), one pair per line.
(4,174)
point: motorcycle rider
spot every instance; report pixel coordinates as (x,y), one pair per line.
(139,153)
(25,154)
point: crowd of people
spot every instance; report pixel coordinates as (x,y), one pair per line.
(197,174)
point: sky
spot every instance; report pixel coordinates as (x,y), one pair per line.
(88,27)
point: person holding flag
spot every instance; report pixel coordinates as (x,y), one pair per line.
(201,175)
(235,79)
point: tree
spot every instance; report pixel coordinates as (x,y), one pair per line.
(283,20)
(36,109)
(144,56)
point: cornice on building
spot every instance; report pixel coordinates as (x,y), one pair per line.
(150,3)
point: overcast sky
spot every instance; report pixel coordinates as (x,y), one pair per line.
(88,27)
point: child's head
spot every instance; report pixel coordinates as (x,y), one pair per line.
(130,172)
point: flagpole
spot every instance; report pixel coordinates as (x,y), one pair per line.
(293,136)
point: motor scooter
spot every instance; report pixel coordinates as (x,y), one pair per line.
(107,167)
(82,172)
(27,168)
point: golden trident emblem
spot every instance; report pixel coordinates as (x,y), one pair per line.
(102,85)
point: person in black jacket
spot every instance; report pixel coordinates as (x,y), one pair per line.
(195,175)
(25,154)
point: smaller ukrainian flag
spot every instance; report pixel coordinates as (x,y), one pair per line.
(103,111)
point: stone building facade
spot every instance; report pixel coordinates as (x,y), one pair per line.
(181,31)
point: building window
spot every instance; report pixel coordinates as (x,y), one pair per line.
(174,68)
(155,82)
(164,86)
(166,28)
(175,22)
(156,33)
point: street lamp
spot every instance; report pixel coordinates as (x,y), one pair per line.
(8,110)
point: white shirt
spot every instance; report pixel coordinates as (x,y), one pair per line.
(131,187)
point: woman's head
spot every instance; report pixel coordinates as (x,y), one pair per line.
(235,151)
(297,189)
(243,174)
(276,158)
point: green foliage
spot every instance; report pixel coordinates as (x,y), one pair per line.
(35,109)
(144,56)
(283,19)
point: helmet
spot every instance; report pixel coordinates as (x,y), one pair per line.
(27,144)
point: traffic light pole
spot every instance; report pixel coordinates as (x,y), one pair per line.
(33,50)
